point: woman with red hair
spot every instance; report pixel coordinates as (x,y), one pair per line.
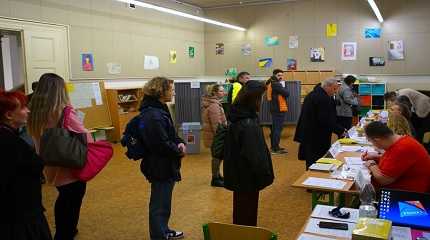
(20,188)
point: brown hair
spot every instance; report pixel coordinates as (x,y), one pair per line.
(157,87)
(250,95)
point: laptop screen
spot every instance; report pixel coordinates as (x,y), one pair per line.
(405,208)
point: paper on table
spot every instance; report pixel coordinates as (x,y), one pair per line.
(335,149)
(313,227)
(330,161)
(321,211)
(353,161)
(305,236)
(324,183)
(401,233)
(322,167)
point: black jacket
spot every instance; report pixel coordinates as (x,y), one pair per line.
(317,122)
(20,187)
(247,160)
(277,89)
(162,160)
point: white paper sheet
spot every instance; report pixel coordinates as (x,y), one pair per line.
(322,167)
(312,227)
(293,42)
(322,211)
(401,233)
(305,236)
(82,95)
(97,94)
(151,63)
(353,161)
(195,84)
(324,183)
(335,149)
(114,68)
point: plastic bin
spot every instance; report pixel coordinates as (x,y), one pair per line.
(365,89)
(190,132)
(365,101)
(378,89)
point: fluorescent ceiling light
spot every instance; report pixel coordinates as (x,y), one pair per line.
(375,10)
(178,13)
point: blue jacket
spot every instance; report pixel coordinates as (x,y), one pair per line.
(162,160)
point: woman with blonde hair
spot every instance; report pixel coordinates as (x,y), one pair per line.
(212,116)
(49,103)
(163,151)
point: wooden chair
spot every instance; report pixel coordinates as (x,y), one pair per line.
(223,231)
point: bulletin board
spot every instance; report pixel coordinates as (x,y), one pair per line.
(90,98)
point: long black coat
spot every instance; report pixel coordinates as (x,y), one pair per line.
(247,160)
(316,124)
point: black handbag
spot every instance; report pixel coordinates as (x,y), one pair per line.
(60,147)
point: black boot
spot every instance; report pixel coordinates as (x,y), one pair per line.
(217,182)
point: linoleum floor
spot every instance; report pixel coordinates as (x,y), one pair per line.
(116,203)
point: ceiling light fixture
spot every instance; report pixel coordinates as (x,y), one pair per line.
(182,14)
(376,10)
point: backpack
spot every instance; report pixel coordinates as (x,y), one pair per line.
(132,140)
(217,147)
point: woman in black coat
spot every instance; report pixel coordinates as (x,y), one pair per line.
(21,209)
(248,164)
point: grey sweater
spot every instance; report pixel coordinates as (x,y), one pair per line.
(347,100)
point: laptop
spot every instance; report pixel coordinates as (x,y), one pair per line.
(403,208)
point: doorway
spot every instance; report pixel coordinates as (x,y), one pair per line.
(12,69)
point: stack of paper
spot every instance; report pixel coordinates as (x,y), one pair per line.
(347,141)
(372,228)
(305,236)
(324,183)
(325,167)
(322,211)
(312,227)
(334,161)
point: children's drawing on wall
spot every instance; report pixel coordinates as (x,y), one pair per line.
(291,64)
(396,50)
(191,52)
(317,54)
(376,61)
(246,49)
(271,41)
(372,33)
(219,49)
(331,29)
(172,56)
(87,62)
(265,62)
(349,51)
(293,42)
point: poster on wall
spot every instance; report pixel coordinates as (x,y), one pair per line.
(114,68)
(219,49)
(349,51)
(271,41)
(172,56)
(376,61)
(317,54)
(151,63)
(265,63)
(293,42)
(396,50)
(246,49)
(87,62)
(372,33)
(291,64)
(331,29)
(191,52)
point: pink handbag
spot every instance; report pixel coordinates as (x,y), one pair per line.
(98,155)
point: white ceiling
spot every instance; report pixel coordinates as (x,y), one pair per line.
(227,3)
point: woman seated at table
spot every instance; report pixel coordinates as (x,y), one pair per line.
(404,165)
(401,115)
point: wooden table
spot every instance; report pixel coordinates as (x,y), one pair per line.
(318,192)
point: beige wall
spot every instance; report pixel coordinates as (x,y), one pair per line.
(404,20)
(114,33)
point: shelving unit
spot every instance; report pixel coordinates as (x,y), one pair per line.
(123,106)
(308,79)
(371,96)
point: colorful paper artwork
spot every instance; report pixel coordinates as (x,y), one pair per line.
(396,50)
(87,62)
(349,51)
(372,33)
(151,63)
(293,42)
(317,54)
(172,56)
(271,41)
(376,61)
(331,30)
(231,72)
(265,62)
(291,64)
(246,49)
(191,52)
(219,49)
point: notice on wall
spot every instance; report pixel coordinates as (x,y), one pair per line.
(293,42)
(172,56)
(331,30)
(195,84)
(246,49)
(113,68)
(396,50)
(349,51)
(151,63)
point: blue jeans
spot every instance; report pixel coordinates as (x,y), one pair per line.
(159,209)
(277,125)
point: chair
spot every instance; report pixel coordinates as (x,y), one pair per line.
(223,231)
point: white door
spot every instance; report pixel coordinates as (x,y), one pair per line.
(46,51)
